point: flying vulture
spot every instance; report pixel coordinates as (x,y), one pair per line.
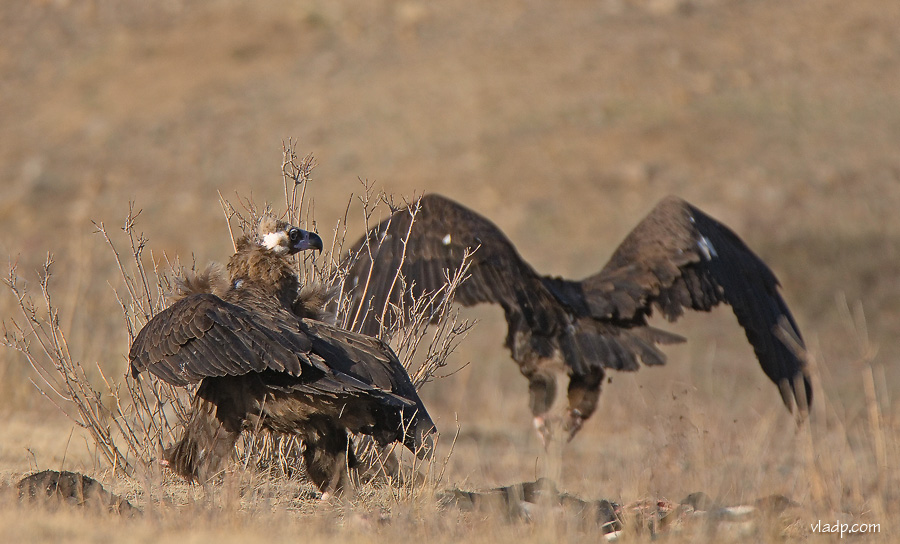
(262,361)
(677,258)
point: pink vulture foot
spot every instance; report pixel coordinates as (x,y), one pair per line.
(544,430)
(573,424)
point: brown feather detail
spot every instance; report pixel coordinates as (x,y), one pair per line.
(268,224)
(677,258)
(266,269)
(212,279)
(209,437)
(312,300)
(438,240)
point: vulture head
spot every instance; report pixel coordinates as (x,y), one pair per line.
(284,238)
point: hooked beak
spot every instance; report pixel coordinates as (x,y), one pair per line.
(308,240)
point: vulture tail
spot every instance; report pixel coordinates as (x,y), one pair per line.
(597,345)
(209,436)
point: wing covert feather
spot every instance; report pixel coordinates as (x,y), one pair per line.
(202,335)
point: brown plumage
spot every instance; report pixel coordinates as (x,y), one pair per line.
(261,361)
(676,258)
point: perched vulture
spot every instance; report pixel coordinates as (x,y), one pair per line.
(677,258)
(261,361)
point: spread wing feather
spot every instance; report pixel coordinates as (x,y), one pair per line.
(679,258)
(361,366)
(361,357)
(202,335)
(370,362)
(437,239)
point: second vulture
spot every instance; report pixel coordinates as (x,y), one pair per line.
(676,258)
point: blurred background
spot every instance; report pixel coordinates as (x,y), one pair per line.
(563,122)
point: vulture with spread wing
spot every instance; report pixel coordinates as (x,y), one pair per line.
(262,360)
(677,258)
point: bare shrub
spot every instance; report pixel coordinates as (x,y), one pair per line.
(131,420)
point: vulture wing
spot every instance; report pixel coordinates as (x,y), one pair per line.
(429,247)
(360,358)
(202,335)
(679,258)
(369,365)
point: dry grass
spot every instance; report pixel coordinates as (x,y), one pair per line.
(561,123)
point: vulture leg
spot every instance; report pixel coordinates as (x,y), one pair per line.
(218,413)
(541,394)
(328,455)
(584,391)
(379,461)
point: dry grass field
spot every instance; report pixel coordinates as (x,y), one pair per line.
(564,123)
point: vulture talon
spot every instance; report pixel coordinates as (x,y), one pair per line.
(544,430)
(574,422)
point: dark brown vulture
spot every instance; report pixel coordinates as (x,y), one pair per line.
(261,362)
(677,258)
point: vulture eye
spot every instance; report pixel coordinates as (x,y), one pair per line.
(294,234)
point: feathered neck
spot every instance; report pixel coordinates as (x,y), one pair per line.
(263,269)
